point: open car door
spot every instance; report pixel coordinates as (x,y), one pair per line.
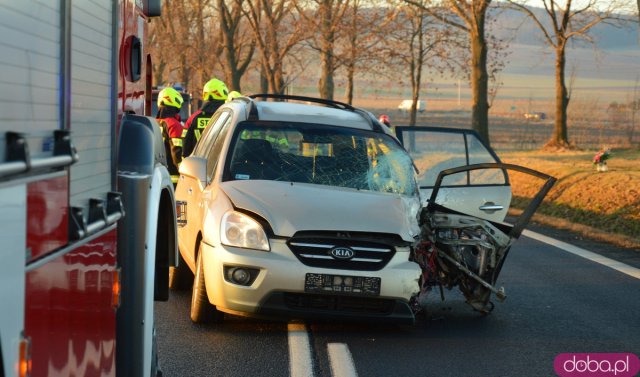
(466,193)
(483,193)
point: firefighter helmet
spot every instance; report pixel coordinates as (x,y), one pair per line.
(170,97)
(233,95)
(215,89)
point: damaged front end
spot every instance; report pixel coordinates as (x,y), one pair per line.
(456,249)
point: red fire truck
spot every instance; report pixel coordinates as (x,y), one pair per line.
(87,220)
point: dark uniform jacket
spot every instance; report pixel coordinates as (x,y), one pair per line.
(196,124)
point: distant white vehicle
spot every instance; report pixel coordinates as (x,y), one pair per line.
(536,115)
(405,105)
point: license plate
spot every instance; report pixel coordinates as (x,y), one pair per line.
(356,285)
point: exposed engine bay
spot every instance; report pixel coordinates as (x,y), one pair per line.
(458,250)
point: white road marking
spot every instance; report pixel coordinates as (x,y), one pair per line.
(341,360)
(608,262)
(300,362)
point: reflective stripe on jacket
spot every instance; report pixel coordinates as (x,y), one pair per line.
(172,131)
(196,125)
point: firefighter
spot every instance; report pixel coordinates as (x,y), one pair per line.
(169,104)
(214,94)
(233,95)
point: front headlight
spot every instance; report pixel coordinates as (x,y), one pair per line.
(240,230)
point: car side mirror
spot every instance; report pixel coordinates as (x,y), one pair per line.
(195,167)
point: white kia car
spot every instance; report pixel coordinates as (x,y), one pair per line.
(308,208)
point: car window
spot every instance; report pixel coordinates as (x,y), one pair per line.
(213,155)
(320,154)
(479,154)
(210,133)
(434,151)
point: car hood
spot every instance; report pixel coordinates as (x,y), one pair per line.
(292,207)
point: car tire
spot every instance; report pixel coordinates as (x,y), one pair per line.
(180,277)
(201,309)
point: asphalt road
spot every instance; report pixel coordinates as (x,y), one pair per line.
(557,303)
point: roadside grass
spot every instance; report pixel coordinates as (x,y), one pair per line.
(602,205)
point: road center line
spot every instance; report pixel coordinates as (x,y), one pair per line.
(300,363)
(341,360)
(608,262)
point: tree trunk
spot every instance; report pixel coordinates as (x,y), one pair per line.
(325,84)
(635,106)
(235,80)
(158,72)
(351,71)
(353,53)
(479,85)
(185,72)
(414,94)
(264,81)
(416,80)
(560,137)
(200,41)
(276,81)
(232,74)
(273,87)
(235,67)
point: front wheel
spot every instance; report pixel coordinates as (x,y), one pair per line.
(201,309)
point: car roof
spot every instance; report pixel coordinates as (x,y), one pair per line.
(292,108)
(307,113)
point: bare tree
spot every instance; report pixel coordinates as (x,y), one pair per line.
(470,16)
(276,32)
(237,45)
(416,42)
(566,22)
(326,18)
(184,41)
(206,42)
(165,46)
(365,31)
(159,59)
(352,38)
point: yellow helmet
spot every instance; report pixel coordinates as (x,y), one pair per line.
(170,97)
(233,95)
(215,89)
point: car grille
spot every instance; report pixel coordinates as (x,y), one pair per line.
(344,304)
(314,250)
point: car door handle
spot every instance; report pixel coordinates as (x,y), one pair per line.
(491,207)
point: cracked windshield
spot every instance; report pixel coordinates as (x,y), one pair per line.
(321,155)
